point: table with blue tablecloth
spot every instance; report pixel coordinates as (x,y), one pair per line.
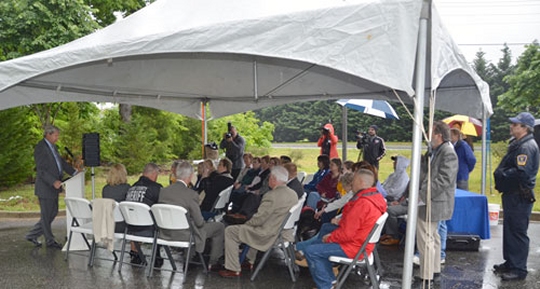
(471,215)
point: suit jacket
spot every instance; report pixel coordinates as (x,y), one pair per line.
(180,195)
(296,186)
(444,167)
(261,231)
(47,171)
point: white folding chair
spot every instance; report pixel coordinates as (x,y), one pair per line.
(136,214)
(171,217)
(309,178)
(301,176)
(367,260)
(81,211)
(219,205)
(289,223)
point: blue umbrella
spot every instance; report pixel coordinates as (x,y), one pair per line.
(380,108)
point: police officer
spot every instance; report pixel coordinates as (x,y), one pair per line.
(515,178)
(373,146)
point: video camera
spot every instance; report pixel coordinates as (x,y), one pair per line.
(229,128)
(361,137)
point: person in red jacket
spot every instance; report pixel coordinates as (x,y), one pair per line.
(328,141)
(359,217)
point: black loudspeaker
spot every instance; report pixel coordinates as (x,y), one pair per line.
(90,149)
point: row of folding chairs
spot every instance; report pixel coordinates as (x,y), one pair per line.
(159,216)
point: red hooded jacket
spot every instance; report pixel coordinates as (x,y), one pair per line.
(332,138)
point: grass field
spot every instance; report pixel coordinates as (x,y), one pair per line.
(23,198)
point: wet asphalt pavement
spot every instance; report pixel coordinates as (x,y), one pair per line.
(24,266)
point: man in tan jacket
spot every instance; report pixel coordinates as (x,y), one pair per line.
(261,231)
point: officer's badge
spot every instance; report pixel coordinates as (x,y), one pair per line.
(521,160)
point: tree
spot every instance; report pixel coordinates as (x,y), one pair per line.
(524,83)
(18,135)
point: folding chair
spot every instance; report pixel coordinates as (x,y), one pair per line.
(171,217)
(81,212)
(117,215)
(301,176)
(308,178)
(221,202)
(288,224)
(367,260)
(136,214)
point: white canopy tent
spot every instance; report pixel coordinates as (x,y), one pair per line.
(244,55)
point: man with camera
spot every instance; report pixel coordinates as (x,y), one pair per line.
(371,146)
(234,145)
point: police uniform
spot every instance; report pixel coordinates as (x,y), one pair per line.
(515,178)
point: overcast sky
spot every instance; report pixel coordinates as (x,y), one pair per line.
(488,24)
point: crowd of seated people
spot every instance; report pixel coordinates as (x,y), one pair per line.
(264,181)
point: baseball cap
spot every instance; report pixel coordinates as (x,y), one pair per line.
(523,118)
(376,128)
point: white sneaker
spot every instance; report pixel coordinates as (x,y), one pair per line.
(443,261)
(416,260)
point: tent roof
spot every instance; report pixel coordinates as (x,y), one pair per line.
(248,54)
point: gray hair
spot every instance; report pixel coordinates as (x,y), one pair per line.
(280,173)
(443,129)
(151,168)
(183,170)
(347,179)
(50,129)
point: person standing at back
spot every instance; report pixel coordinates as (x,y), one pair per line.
(466,159)
(50,168)
(436,198)
(515,178)
(234,145)
(328,141)
(373,147)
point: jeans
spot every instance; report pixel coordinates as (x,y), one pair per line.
(312,200)
(443,232)
(326,228)
(319,265)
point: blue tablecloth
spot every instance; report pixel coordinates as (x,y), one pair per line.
(470,215)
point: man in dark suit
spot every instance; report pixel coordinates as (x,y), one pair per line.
(293,181)
(180,195)
(49,171)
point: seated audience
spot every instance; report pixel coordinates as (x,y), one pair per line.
(200,170)
(284,159)
(217,183)
(248,161)
(209,171)
(351,231)
(327,187)
(396,183)
(323,162)
(260,232)
(145,190)
(116,188)
(180,194)
(293,181)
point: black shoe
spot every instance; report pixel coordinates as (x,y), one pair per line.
(34,241)
(513,276)
(158,262)
(55,245)
(500,268)
(135,259)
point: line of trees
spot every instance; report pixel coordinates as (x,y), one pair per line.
(136,135)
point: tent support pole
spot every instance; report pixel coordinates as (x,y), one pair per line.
(255,81)
(484,150)
(416,145)
(344,132)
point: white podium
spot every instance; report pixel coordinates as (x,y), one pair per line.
(74,187)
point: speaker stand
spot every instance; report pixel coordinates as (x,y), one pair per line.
(93,184)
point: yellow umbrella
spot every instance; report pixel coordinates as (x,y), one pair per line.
(467,125)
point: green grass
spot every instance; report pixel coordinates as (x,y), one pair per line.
(305,158)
